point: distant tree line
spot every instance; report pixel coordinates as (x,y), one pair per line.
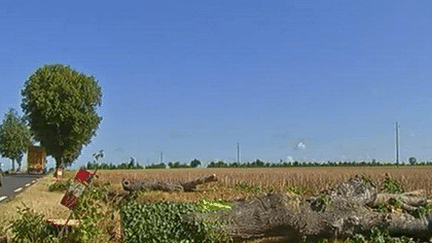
(262,164)
(132,164)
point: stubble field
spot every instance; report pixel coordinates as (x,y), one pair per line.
(238,182)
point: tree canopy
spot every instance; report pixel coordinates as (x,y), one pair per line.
(60,104)
(15,137)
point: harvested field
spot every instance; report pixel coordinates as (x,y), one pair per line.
(312,179)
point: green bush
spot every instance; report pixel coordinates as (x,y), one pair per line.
(378,236)
(30,227)
(60,186)
(90,211)
(166,222)
(391,185)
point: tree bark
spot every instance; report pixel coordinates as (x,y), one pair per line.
(136,185)
(339,213)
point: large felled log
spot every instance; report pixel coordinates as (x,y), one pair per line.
(414,198)
(136,185)
(337,213)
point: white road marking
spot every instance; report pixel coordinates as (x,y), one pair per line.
(19,189)
(2,198)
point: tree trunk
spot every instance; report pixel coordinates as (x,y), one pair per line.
(59,162)
(136,185)
(337,213)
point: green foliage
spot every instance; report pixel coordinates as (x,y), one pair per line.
(195,163)
(412,160)
(60,105)
(30,227)
(166,222)
(246,187)
(261,164)
(213,205)
(398,203)
(132,165)
(378,236)
(296,189)
(59,186)
(178,165)
(422,210)
(391,185)
(156,166)
(382,208)
(89,211)
(15,137)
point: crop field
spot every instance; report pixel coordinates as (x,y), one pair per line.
(232,182)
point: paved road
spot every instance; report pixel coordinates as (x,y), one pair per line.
(13,184)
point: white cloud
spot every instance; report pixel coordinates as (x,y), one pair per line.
(301,145)
(290,159)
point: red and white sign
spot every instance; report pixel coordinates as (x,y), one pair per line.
(76,188)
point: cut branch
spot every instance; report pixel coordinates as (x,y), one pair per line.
(136,185)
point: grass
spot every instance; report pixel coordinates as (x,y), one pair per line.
(38,198)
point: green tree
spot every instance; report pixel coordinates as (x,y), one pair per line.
(195,163)
(60,105)
(15,137)
(412,160)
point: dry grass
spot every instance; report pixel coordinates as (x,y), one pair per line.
(313,179)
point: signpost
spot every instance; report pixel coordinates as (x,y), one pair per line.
(82,181)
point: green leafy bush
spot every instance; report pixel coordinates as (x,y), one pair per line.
(60,186)
(91,211)
(391,185)
(166,222)
(378,236)
(422,210)
(30,227)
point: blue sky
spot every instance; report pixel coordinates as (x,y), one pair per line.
(290,80)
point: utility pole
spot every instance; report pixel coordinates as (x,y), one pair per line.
(238,153)
(397,143)
(161,157)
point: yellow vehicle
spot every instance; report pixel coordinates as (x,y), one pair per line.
(36,160)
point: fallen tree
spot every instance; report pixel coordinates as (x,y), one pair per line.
(136,185)
(352,207)
(348,209)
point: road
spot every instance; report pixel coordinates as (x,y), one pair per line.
(14,184)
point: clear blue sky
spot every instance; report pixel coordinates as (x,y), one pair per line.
(301,80)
